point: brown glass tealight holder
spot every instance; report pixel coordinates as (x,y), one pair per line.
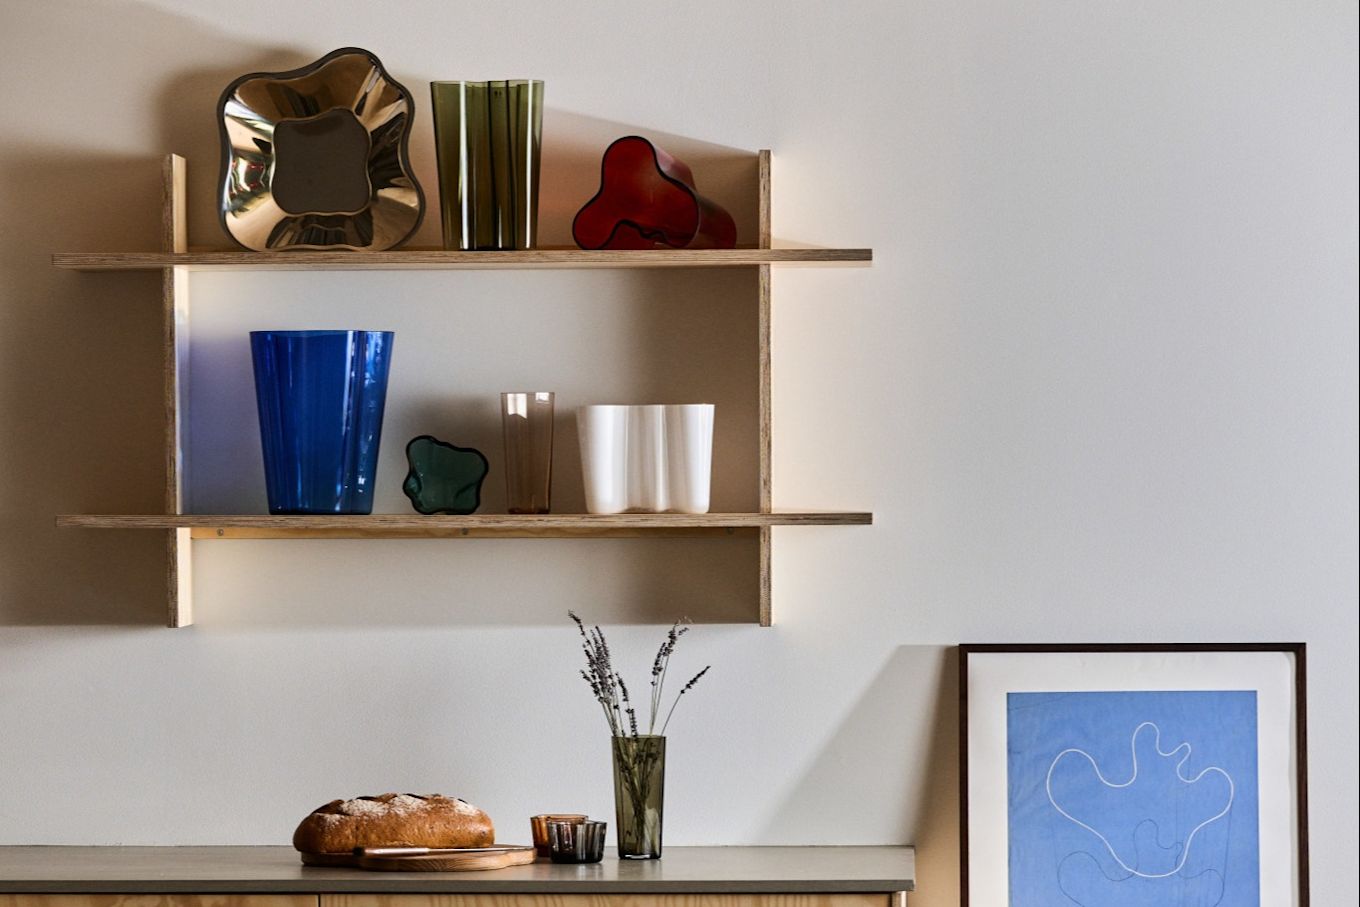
(539,827)
(527,425)
(576,842)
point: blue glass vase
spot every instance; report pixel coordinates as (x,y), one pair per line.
(320,397)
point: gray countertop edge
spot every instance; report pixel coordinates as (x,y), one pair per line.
(276,870)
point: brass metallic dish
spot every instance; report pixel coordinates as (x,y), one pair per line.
(316,158)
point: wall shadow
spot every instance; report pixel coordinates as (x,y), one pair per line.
(80,354)
(934,826)
(916,689)
(80,395)
(391,584)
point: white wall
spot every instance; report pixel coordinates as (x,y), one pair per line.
(1099,384)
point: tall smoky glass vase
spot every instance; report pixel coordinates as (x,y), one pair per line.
(527,427)
(487,143)
(639,795)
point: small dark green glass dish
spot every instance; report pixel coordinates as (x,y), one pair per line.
(443,477)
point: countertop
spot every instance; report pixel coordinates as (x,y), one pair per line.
(681,870)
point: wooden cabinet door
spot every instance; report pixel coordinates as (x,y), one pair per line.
(609,900)
(158,900)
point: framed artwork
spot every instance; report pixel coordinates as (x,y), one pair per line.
(1133,775)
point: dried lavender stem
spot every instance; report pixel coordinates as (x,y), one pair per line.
(683,690)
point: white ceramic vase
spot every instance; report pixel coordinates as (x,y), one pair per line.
(646,459)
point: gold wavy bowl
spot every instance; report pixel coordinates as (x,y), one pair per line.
(316,158)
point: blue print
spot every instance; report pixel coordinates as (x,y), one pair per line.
(1133,799)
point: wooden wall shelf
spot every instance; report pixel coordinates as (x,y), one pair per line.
(176,262)
(437,259)
(483,525)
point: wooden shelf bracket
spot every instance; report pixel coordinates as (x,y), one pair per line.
(175,335)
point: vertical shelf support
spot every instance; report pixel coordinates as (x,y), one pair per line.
(763,333)
(175,338)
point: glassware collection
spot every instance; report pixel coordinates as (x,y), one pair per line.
(321,396)
(317,158)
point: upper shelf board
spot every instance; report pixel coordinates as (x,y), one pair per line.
(401,525)
(507,520)
(438,259)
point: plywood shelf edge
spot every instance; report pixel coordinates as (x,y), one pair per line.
(490,525)
(427,260)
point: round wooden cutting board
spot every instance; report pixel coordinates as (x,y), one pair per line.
(472,859)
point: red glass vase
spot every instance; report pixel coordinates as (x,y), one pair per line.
(647,199)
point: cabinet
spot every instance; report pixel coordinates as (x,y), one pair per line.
(273,877)
(177,263)
(158,900)
(711,899)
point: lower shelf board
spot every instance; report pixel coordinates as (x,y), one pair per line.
(479,525)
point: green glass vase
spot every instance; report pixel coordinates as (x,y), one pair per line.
(488,138)
(639,792)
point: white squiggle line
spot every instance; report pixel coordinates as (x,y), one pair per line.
(1157,744)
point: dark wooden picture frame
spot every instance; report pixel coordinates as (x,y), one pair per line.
(1298,651)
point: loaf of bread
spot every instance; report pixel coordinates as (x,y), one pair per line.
(394,820)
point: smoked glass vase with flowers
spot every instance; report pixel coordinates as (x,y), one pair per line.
(639,758)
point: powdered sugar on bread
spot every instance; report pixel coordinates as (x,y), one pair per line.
(387,803)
